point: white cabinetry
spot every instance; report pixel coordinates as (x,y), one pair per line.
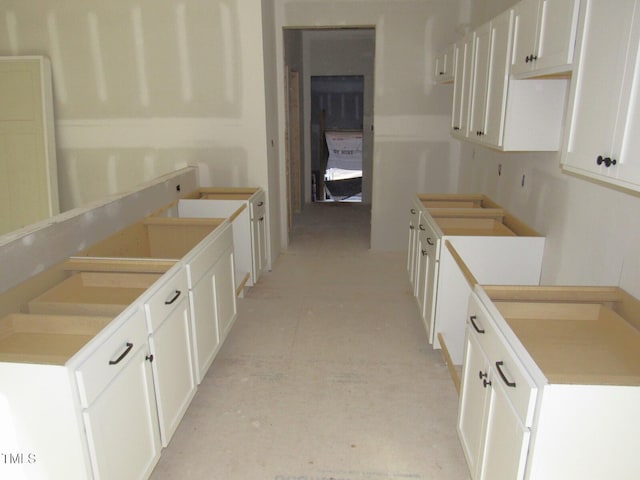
(212,295)
(505,113)
(562,363)
(604,107)
(487,239)
(167,310)
(246,208)
(412,247)
(445,65)
(544,36)
(496,403)
(120,414)
(462,86)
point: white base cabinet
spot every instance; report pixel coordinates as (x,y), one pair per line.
(551,384)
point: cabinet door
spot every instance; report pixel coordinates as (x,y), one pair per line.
(428,276)
(206,336)
(258,235)
(498,77)
(444,66)
(224,293)
(525,33)
(173,368)
(122,423)
(558,23)
(462,86)
(480,79)
(506,439)
(606,71)
(412,246)
(474,390)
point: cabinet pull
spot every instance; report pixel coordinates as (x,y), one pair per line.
(486,383)
(456,128)
(411,227)
(124,354)
(174,298)
(482,375)
(413,211)
(260,204)
(149,357)
(424,252)
(429,241)
(472,319)
(261,219)
(606,160)
(421,227)
(502,375)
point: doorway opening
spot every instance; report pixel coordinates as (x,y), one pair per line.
(336,138)
(329,76)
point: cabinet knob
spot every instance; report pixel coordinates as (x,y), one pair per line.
(456,128)
(421,227)
(606,160)
(413,211)
(527,59)
(482,375)
(411,227)
(429,241)
(149,357)
(424,252)
(486,383)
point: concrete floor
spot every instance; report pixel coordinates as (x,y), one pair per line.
(326,373)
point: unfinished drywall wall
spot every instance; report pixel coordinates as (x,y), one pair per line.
(143,88)
(412,146)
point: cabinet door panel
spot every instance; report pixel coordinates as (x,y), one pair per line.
(499,60)
(462,86)
(525,28)
(122,424)
(173,369)
(557,33)
(473,395)
(481,51)
(225,298)
(600,76)
(205,323)
(506,440)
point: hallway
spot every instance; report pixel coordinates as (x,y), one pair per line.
(326,373)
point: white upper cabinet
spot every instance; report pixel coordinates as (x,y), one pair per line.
(603,140)
(445,65)
(462,86)
(544,36)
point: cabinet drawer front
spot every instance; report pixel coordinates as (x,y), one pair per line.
(111,357)
(257,206)
(164,297)
(209,254)
(519,387)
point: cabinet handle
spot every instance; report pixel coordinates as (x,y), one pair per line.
(606,160)
(124,354)
(411,227)
(421,227)
(456,128)
(486,383)
(526,59)
(482,375)
(429,241)
(413,211)
(149,357)
(261,219)
(472,319)
(424,252)
(260,204)
(174,298)
(502,375)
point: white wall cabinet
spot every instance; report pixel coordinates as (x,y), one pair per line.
(462,86)
(603,141)
(544,36)
(445,65)
(506,113)
(168,316)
